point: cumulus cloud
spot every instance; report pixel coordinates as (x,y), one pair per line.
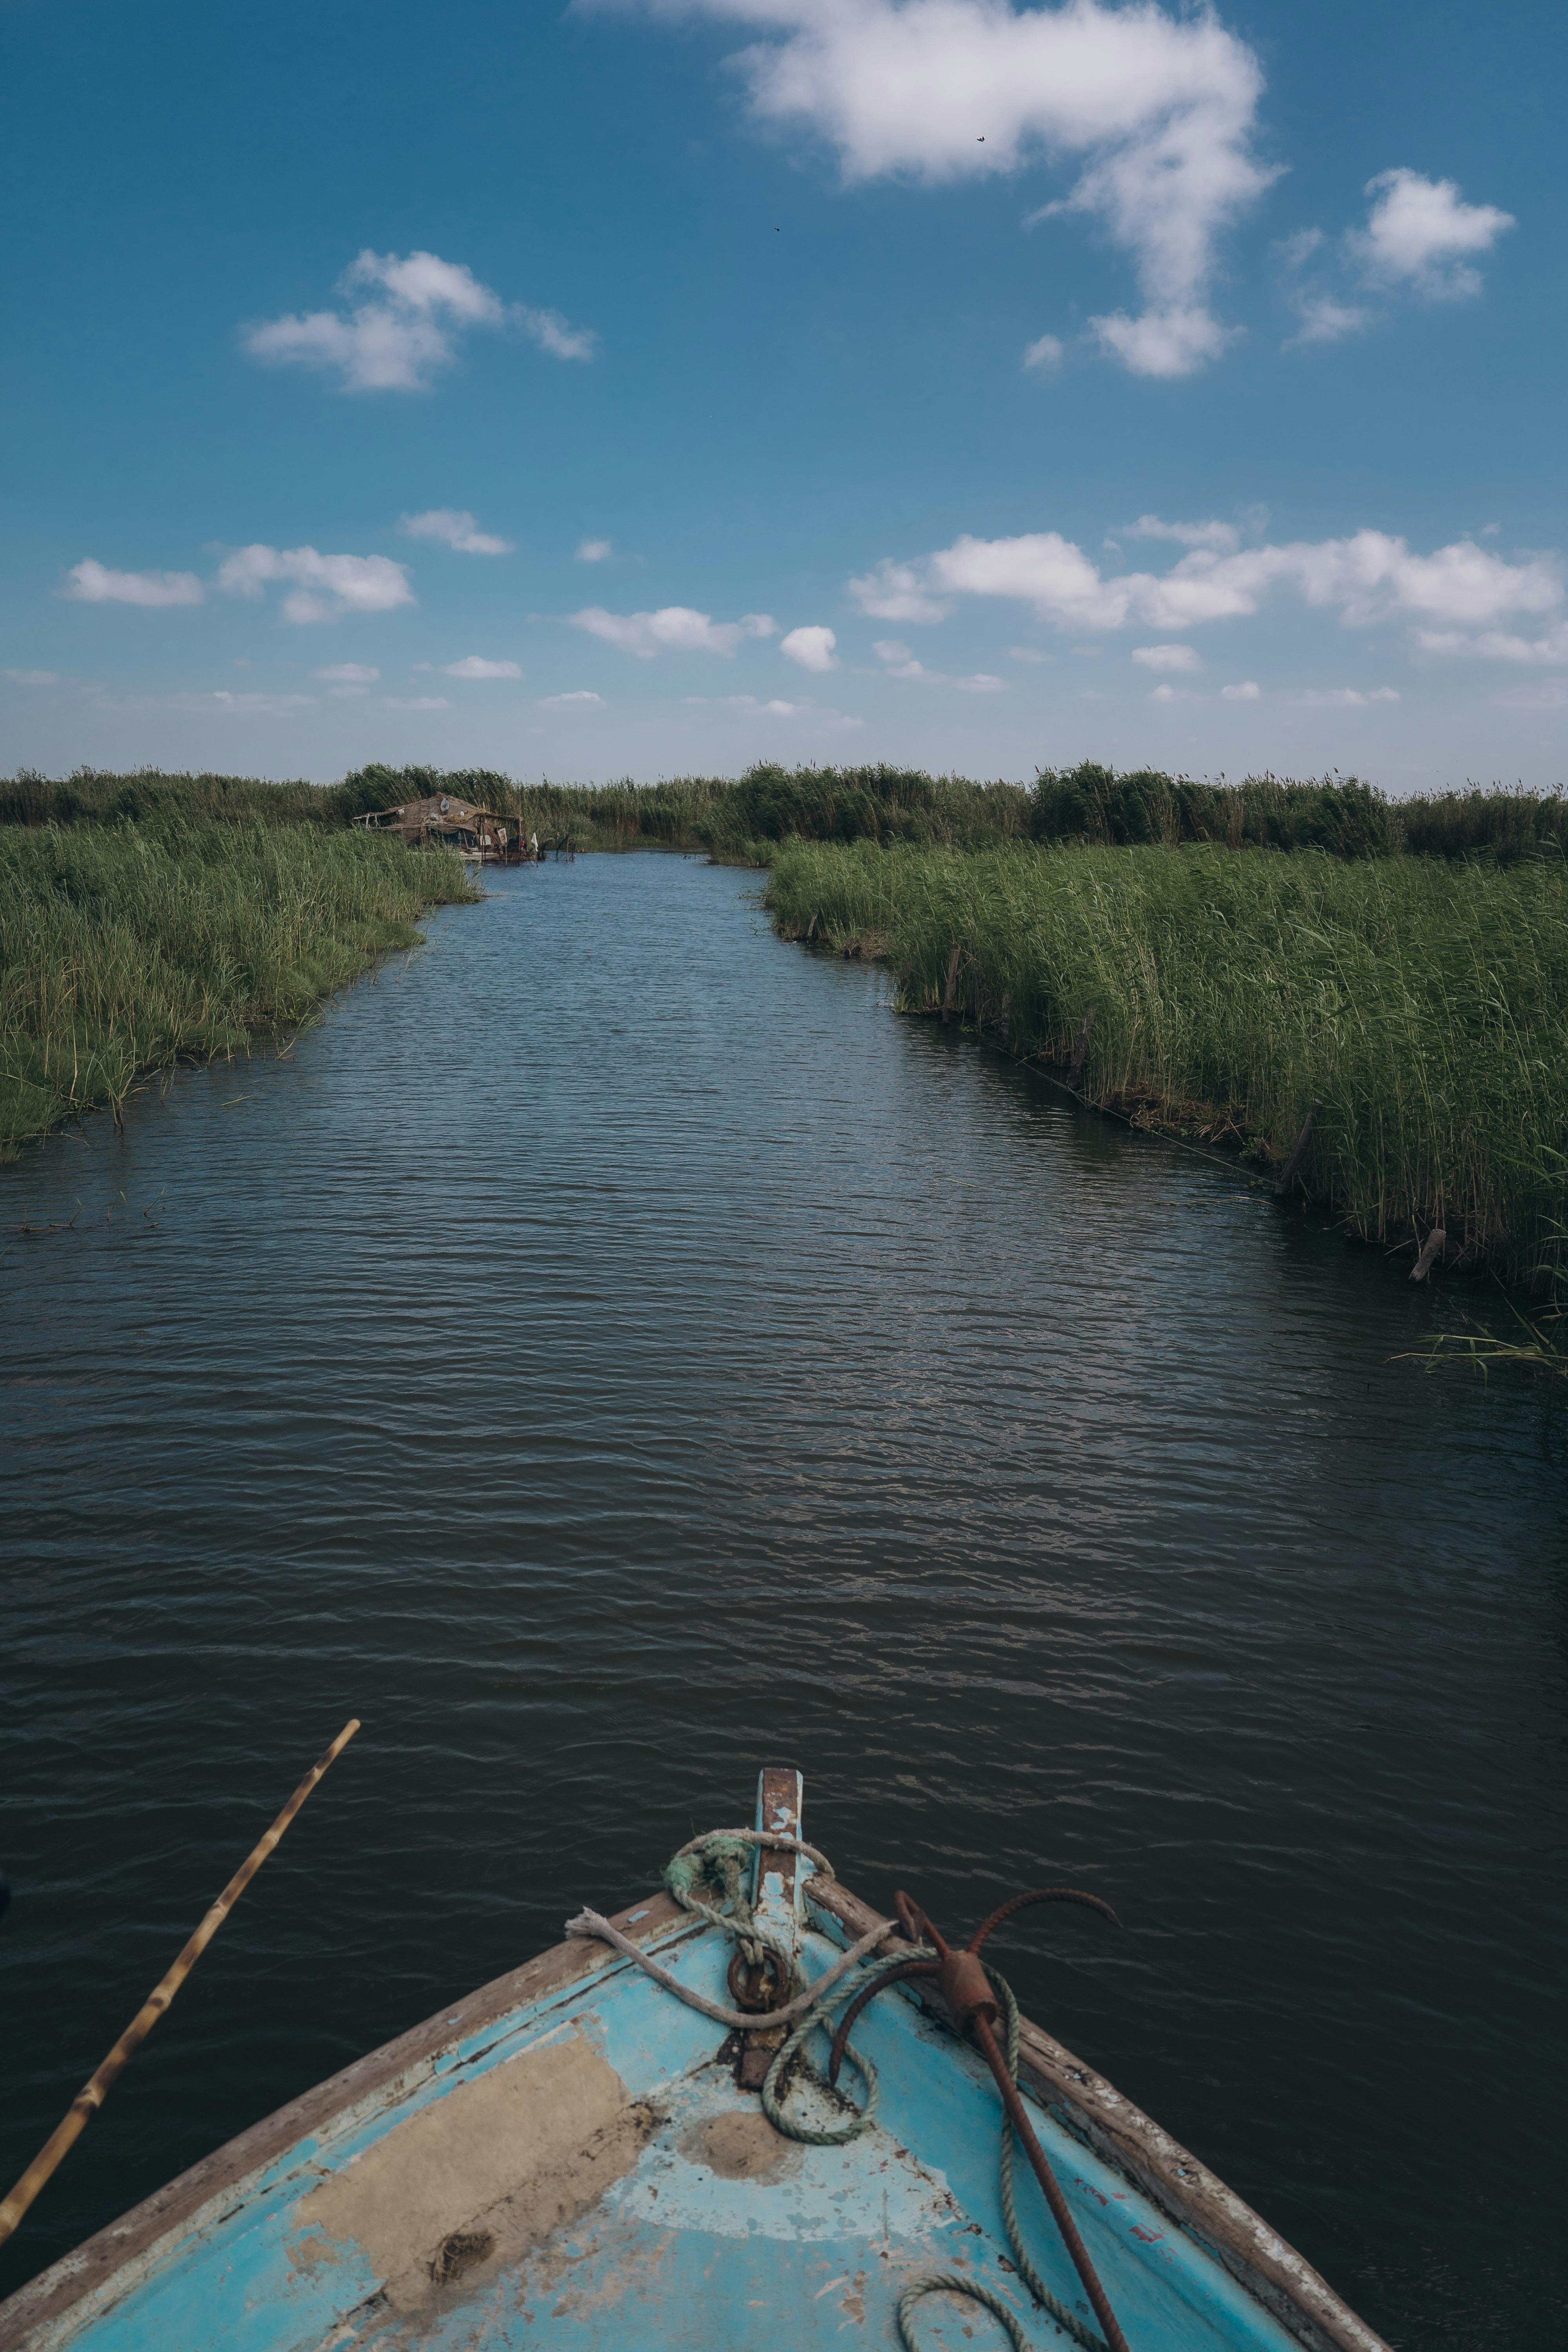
(1167,657)
(1157,110)
(895,591)
(32,676)
(329,585)
(1499,644)
(346,674)
(594,550)
(569,701)
(476,666)
(455,528)
(811,648)
(1044,354)
(1420,233)
(1326,320)
(1344,698)
(675,628)
(1248,692)
(1369,576)
(91,583)
(405,332)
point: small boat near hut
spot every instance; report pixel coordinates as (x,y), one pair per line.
(635,2141)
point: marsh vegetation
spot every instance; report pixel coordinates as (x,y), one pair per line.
(131,948)
(1423,1002)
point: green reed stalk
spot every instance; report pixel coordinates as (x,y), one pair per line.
(131,948)
(1424,1003)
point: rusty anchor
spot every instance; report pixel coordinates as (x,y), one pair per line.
(961,1979)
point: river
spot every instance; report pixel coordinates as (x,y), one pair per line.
(614,1349)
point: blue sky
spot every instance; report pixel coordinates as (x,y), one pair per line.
(640,387)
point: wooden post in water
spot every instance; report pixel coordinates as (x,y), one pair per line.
(1081,1048)
(91,2095)
(947,995)
(1286,1175)
(1435,1240)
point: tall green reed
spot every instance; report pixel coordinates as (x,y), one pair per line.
(1423,1005)
(129,950)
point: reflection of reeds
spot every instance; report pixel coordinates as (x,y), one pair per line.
(1424,1004)
(131,948)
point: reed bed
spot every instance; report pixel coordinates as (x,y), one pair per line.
(741,819)
(131,948)
(1424,1003)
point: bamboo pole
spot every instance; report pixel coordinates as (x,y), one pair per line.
(90,2097)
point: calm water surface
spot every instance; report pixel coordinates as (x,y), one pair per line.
(614,1350)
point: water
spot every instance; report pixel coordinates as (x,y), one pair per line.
(616,1349)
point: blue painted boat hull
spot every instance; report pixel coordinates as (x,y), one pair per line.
(565,2160)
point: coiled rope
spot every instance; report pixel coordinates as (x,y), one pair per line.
(721,1858)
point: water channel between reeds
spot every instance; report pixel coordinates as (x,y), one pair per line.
(615,1349)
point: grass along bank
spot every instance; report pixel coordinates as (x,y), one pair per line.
(132,948)
(1424,1003)
(743,819)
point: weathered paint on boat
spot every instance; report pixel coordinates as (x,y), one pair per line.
(563,2158)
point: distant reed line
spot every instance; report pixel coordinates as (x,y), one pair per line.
(129,949)
(746,817)
(1423,1005)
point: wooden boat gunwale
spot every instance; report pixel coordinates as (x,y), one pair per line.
(50,2308)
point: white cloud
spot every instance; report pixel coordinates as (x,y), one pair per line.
(476,666)
(1176,341)
(1159,109)
(893,592)
(347,583)
(346,674)
(1170,658)
(1248,692)
(1344,698)
(414,702)
(594,550)
(1044,355)
(1172,694)
(1420,233)
(34,677)
(675,628)
(1028,654)
(91,583)
(811,648)
(569,701)
(1497,644)
(1325,320)
(1369,576)
(404,332)
(455,528)
(900,663)
(1221,535)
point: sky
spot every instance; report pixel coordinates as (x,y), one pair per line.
(646,387)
